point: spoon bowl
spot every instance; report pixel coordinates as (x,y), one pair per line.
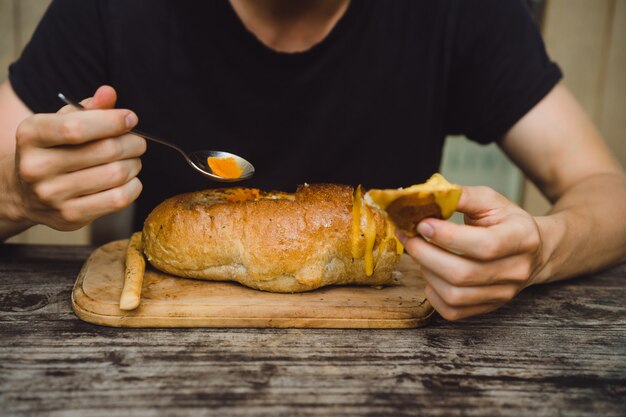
(198,160)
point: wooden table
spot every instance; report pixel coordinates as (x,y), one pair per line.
(557,349)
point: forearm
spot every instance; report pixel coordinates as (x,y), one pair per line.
(12,220)
(585,230)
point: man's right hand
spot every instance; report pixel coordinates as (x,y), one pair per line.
(75,166)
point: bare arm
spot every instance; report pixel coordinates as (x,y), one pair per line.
(12,113)
(502,248)
(559,148)
(68,168)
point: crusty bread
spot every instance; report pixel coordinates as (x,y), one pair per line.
(321,235)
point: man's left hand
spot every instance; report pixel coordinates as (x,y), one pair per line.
(475,268)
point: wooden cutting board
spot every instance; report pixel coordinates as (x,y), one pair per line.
(168,301)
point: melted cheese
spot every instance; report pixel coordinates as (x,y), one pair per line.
(364,225)
(369,229)
(356,222)
(235,195)
(390,234)
(446,195)
(399,246)
(446,198)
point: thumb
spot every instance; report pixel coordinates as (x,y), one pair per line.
(484,210)
(104,98)
(480,201)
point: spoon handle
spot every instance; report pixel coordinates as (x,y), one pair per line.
(134,131)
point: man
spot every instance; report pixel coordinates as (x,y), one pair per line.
(341,91)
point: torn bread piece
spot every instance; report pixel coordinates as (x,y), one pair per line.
(134,272)
(406,207)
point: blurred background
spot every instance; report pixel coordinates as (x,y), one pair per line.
(587,38)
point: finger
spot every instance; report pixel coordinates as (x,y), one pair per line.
(104,98)
(456,313)
(46,130)
(484,243)
(87,208)
(469,296)
(87,181)
(68,108)
(463,272)
(481,202)
(43,163)
(103,151)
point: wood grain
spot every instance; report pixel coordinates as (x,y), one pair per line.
(168,301)
(558,349)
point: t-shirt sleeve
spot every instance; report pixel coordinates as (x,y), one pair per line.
(499,69)
(67,54)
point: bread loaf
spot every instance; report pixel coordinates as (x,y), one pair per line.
(320,235)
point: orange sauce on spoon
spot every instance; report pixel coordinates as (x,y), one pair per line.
(224,167)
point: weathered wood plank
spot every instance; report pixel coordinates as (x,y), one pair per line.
(558,349)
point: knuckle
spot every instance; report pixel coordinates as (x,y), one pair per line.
(117,172)
(523,271)
(28,170)
(35,165)
(120,199)
(70,216)
(26,132)
(461,276)
(533,241)
(71,130)
(111,149)
(489,250)
(44,193)
(454,297)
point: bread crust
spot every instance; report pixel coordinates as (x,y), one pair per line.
(277,242)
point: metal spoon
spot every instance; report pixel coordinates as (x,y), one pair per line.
(197,159)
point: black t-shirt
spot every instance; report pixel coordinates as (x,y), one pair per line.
(369,104)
